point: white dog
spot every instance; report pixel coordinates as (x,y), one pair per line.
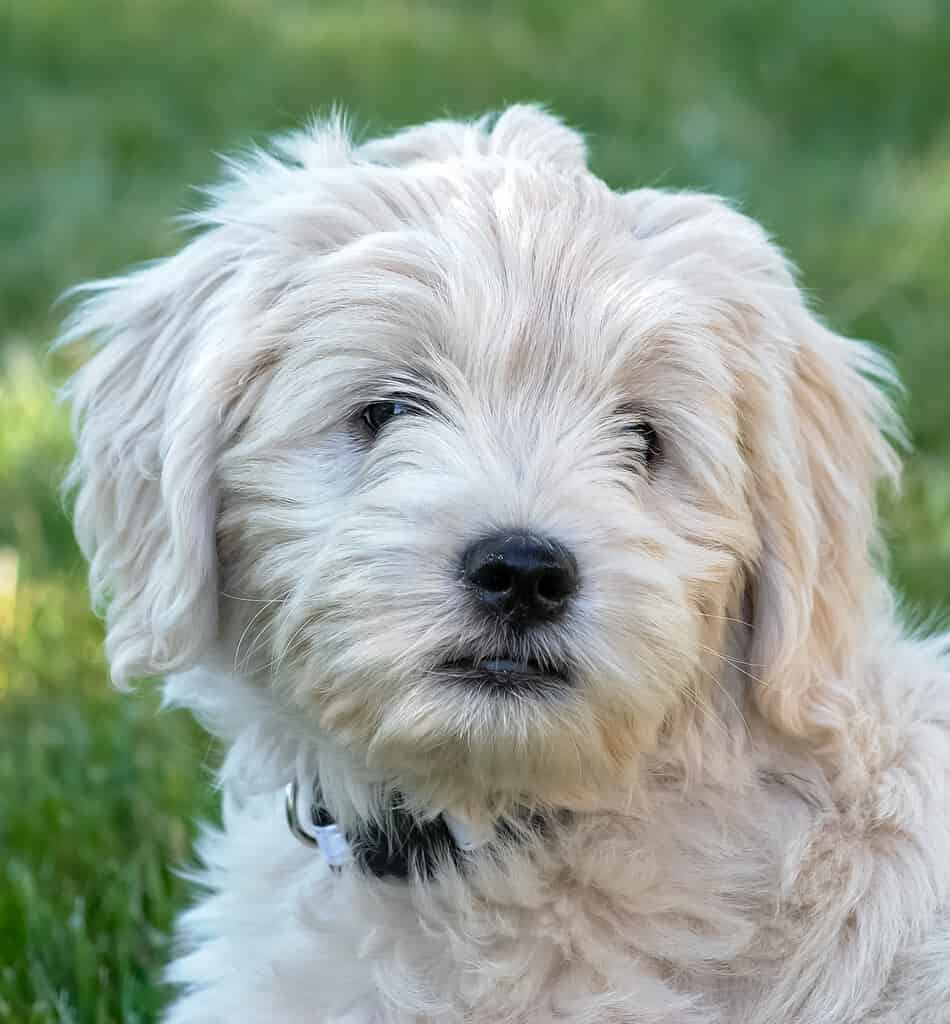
(526,529)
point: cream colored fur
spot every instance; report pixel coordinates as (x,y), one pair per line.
(749,820)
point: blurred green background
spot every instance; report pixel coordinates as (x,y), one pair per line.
(827,120)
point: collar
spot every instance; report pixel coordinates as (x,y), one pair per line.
(406,846)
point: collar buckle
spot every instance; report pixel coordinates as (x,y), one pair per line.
(329,839)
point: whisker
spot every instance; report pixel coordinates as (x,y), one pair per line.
(239,664)
(251,600)
(696,700)
(732,701)
(257,642)
(727,618)
(734,664)
(277,662)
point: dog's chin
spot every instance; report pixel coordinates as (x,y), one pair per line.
(507,676)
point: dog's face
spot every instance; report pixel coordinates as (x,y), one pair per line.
(487,473)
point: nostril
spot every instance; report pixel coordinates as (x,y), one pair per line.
(493,578)
(554,586)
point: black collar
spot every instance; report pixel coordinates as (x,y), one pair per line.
(405,847)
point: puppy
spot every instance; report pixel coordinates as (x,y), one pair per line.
(516,536)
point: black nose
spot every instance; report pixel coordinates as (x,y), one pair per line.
(522,579)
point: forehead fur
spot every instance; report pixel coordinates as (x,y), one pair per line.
(477,263)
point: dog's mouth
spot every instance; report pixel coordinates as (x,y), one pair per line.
(507,674)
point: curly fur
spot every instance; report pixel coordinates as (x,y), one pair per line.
(748,816)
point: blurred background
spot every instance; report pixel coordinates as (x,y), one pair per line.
(827,121)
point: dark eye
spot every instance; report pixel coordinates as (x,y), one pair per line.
(648,446)
(375,416)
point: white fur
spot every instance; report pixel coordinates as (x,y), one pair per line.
(753,759)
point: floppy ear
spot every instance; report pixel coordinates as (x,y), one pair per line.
(814,428)
(523,131)
(153,408)
(817,446)
(146,423)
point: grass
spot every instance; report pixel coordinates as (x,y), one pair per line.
(829,122)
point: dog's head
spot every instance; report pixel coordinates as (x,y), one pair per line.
(489,474)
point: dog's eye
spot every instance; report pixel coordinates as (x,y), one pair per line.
(648,441)
(375,416)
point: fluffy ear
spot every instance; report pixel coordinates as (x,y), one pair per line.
(146,424)
(814,426)
(817,445)
(523,131)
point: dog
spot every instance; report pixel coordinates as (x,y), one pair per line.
(516,537)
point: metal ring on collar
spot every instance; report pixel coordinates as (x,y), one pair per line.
(293,822)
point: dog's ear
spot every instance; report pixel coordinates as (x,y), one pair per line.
(166,390)
(817,446)
(523,131)
(815,423)
(146,421)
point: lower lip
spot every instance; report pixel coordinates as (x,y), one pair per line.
(505,665)
(504,673)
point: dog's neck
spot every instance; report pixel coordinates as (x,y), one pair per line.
(390,833)
(399,846)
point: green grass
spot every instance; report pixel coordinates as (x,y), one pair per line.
(830,122)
